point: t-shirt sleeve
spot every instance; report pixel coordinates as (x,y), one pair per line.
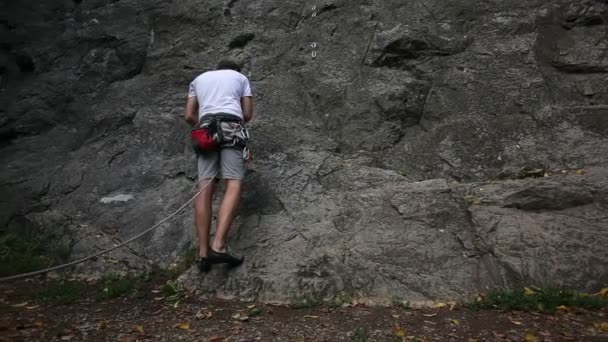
(246,88)
(192,90)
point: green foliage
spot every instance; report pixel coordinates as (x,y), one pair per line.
(403,304)
(360,334)
(172,290)
(306,303)
(533,172)
(115,286)
(310,302)
(29,250)
(543,300)
(63,292)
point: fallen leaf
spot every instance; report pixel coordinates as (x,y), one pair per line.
(603,292)
(102,325)
(530,337)
(138,328)
(515,322)
(155,291)
(455,322)
(440,305)
(398,331)
(453,305)
(580,171)
(112,260)
(176,304)
(38,324)
(242,318)
(528,291)
(603,326)
(204,315)
(20,305)
(32,307)
(183,326)
(396,316)
(216,339)
(311,316)
(250,306)
(430,315)
(67,337)
(159,298)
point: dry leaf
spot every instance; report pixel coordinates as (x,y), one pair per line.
(603,292)
(242,318)
(603,326)
(455,322)
(183,326)
(216,339)
(528,291)
(398,331)
(67,337)
(440,305)
(429,315)
(38,324)
(453,305)
(32,307)
(102,325)
(530,337)
(159,298)
(176,304)
(580,171)
(250,306)
(311,316)
(515,322)
(203,315)
(138,328)
(20,305)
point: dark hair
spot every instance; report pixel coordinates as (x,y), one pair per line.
(228,64)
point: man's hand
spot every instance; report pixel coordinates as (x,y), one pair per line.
(191,113)
(247,107)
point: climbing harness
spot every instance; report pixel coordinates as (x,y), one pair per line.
(216,131)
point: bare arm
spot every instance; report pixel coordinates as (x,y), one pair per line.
(247,106)
(191,113)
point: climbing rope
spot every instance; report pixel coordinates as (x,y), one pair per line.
(93,256)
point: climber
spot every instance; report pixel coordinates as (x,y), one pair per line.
(218,106)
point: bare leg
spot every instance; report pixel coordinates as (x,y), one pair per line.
(228,210)
(202,215)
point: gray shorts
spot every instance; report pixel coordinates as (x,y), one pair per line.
(227,163)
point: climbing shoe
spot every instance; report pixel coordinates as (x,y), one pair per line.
(203,264)
(225,258)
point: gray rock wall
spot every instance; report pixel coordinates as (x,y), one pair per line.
(385,167)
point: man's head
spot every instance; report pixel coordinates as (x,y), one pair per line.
(227,64)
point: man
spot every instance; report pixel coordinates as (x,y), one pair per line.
(222,93)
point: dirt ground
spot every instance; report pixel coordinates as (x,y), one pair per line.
(149,317)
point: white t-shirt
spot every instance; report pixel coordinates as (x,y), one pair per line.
(220,91)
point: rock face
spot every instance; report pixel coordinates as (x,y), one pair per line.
(386,167)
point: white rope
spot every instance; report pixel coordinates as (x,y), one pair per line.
(79,261)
